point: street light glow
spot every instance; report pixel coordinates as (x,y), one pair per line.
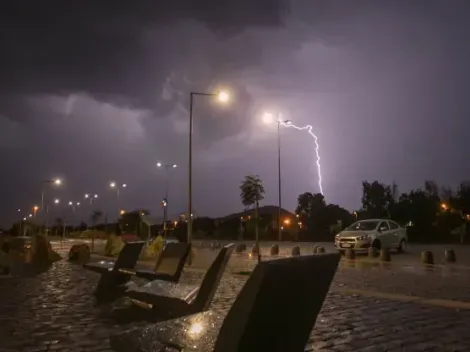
(112,184)
(159,164)
(56,201)
(35,208)
(174,165)
(70,203)
(57,181)
(124,185)
(78,203)
(223,96)
(268,118)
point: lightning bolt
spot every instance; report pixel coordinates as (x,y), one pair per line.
(309,128)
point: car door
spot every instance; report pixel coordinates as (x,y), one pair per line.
(384,234)
(394,233)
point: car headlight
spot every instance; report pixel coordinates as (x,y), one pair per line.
(365,237)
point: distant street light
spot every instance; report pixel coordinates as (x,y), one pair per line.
(268,118)
(53,182)
(35,210)
(165,201)
(222,97)
(116,186)
(56,182)
(91,196)
(56,201)
(73,205)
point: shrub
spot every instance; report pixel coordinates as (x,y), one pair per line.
(113,246)
(154,248)
(79,252)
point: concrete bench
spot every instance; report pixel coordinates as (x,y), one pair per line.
(169,299)
(112,282)
(275,311)
(169,265)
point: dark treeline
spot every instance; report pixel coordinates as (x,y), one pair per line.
(430,214)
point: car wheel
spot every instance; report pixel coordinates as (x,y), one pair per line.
(376,244)
(402,247)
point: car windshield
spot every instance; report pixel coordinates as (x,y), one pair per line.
(363,226)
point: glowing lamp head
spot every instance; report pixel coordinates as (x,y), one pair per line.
(223,96)
(78,203)
(112,184)
(70,203)
(268,118)
(159,164)
(35,208)
(95,196)
(87,195)
(58,182)
(124,185)
(174,165)
(56,201)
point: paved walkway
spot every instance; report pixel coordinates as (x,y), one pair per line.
(366,310)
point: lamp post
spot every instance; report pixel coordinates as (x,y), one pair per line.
(52,182)
(269,118)
(91,196)
(165,201)
(21,219)
(35,210)
(222,97)
(116,186)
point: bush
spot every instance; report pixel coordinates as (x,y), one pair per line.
(42,252)
(114,246)
(154,248)
(79,252)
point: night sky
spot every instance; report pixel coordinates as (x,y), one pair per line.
(94,91)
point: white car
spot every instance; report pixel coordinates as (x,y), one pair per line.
(378,233)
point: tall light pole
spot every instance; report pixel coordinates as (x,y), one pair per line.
(52,182)
(165,201)
(21,219)
(223,97)
(116,186)
(269,118)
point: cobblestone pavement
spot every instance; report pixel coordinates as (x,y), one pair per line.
(55,311)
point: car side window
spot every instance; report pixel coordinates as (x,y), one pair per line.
(393,226)
(383,226)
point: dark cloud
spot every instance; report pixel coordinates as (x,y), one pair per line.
(95,91)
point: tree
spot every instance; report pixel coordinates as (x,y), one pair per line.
(377,199)
(308,204)
(251,193)
(95,217)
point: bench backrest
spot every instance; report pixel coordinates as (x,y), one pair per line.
(277,308)
(211,280)
(172,259)
(129,255)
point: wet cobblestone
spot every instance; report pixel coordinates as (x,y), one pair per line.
(55,311)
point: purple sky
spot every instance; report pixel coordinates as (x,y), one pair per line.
(98,94)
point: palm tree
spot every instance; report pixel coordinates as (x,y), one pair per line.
(95,217)
(251,193)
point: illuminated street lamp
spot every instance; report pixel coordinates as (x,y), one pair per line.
(444,206)
(222,97)
(91,196)
(73,205)
(53,182)
(35,210)
(165,203)
(116,186)
(269,118)
(56,201)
